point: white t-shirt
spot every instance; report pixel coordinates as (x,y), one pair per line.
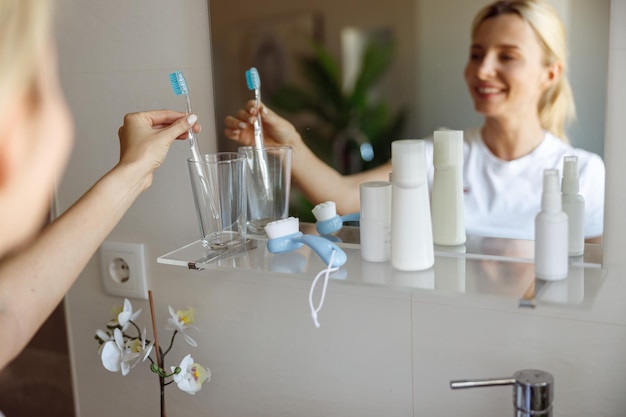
(502,198)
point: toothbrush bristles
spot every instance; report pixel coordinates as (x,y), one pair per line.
(325,211)
(253,79)
(179,85)
(282,227)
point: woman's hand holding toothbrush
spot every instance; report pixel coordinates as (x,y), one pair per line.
(318,181)
(145,139)
(41,272)
(276,130)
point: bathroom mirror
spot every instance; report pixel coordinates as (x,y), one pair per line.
(426,75)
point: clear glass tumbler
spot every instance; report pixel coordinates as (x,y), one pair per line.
(268,178)
(218,182)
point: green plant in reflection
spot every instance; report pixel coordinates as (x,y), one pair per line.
(349,129)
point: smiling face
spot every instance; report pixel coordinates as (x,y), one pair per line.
(505,73)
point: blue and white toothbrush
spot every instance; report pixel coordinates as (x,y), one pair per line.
(285,236)
(253,80)
(179,85)
(327,219)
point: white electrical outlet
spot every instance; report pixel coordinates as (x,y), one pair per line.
(123,270)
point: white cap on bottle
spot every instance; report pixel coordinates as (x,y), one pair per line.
(448,148)
(551,196)
(569,184)
(376,201)
(408,162)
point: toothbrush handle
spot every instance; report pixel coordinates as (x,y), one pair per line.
(258,128)
(261,159)
(197,156)
(195,151)
(206,178)
(258,125)
(324,248)
(352,217)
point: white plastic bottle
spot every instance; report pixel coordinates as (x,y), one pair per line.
(375,221)
(551,241)
(447,194)
(412,246)
(573,206)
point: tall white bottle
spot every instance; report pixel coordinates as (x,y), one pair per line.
(375,221)
(573,206)
(412,246)
(551,241)
(447,195)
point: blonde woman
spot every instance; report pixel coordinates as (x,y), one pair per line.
(516,76)
(38,265)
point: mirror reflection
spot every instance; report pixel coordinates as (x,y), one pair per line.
(441,73)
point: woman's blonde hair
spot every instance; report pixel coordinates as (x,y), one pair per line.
(24,33)
(556,105)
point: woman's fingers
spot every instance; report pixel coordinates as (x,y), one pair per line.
(235,123)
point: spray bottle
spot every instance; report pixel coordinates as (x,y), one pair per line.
(573,206)
(551,258)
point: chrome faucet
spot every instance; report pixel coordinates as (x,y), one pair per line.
(533,391)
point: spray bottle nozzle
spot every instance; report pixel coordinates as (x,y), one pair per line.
(569,184)
(551,197)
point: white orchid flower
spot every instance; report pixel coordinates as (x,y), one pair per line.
(102,337)
(123,316)
(112,353)
(182,320)
(191,375)
(119,355)
(138,347)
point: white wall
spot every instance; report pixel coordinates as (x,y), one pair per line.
(588,71)
(379,352)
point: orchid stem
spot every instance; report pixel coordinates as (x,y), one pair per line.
(171,343)
(158,353)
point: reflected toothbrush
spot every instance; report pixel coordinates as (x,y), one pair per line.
(327,219)
(253,80)
(179,85)
(285,236)
(254,84)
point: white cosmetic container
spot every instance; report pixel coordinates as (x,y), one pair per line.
(375,221)
(551,230)
(412,246)
(573,206)
(447,194)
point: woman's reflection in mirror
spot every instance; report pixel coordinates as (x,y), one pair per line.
(516,74)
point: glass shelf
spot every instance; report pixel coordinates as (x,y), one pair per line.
(480,248)
(486,266)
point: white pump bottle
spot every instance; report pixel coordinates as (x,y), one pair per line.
(573,206)
(551,241)
(447,194)
(412,246)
